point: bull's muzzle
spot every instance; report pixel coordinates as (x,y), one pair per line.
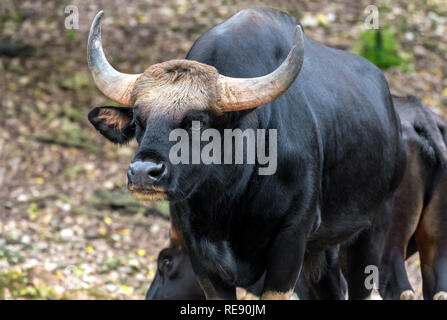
(142,177)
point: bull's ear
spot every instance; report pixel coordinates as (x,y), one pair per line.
(114,123)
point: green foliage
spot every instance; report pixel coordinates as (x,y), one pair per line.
(71,135)
(72,131)
(71,34)
(163,207)
(73,114)
(109,264)
(78,81)
(98,294)
(16,281)
(10,15)
(12,255)
(380,46)
(73,171)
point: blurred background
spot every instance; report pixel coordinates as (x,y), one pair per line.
(68,227)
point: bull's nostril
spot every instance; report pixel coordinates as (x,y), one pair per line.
(156,171)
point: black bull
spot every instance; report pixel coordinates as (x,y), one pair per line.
(340,157)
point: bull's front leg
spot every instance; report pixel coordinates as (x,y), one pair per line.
(212,285)
(215,289)
(284,263)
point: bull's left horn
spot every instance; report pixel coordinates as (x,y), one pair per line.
(246,93)
(114,84)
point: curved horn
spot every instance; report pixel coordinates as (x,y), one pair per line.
(246,93)
(115,85)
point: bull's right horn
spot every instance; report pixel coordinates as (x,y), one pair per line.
(114,84)
(246,93)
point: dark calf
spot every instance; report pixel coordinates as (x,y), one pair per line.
(175,279)
(420,206)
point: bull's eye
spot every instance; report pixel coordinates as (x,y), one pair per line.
(165,264)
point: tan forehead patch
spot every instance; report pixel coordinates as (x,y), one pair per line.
(176,86)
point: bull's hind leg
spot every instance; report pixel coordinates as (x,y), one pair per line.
(431,239)
(394,283)
(361,253)
(332,284)
(406,213)
(363,256)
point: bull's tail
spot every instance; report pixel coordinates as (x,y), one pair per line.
(426,125)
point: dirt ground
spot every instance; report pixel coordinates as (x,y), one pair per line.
(68,227)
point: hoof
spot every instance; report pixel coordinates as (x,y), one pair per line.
(276,295)
(374,296)
(250,296)
(441,295)
(407,295)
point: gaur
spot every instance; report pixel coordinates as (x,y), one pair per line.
(420,207)
(340,154)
